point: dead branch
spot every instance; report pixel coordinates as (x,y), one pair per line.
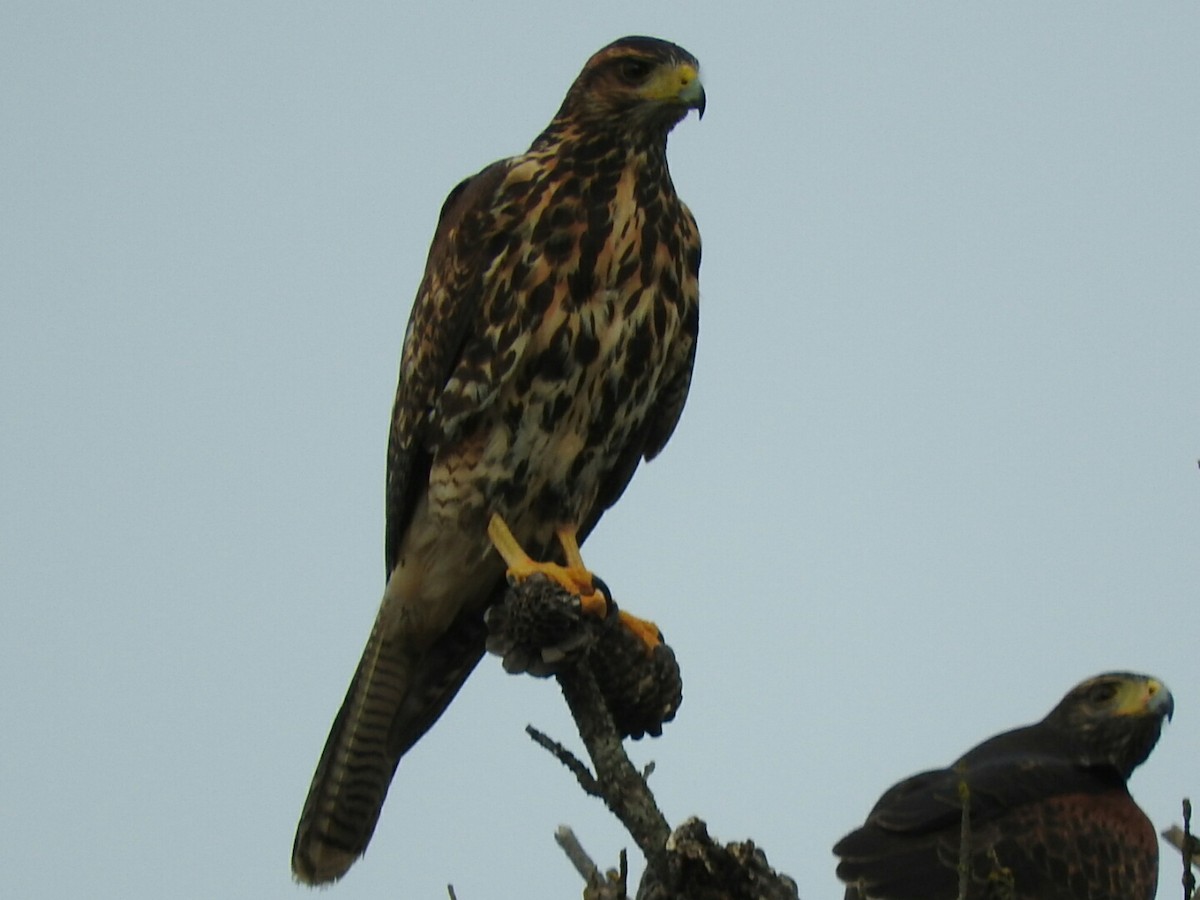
(614,688)
(1188,846)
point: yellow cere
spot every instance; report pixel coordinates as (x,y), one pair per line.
(670,84)
(1135,696)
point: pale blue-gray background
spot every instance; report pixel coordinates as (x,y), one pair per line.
(939,462)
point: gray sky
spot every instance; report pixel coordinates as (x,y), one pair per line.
(938,464)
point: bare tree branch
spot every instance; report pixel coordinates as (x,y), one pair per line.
(1188,845)
(622,787)
(608,886)
(615,687)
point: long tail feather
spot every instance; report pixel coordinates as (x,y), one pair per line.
(392,701)
(356,766)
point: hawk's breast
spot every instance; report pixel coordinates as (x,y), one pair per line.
(601,285)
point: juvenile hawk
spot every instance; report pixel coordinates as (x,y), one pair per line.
(549,351)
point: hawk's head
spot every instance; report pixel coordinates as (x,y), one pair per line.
(1114,718)
(638,84)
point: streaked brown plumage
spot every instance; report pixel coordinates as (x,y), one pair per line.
(1049,814)
(549,351)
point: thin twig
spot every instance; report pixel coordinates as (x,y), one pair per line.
(964,835)
(1189,878)
(576,854)
(1188,846)
(610,885)
(586,780)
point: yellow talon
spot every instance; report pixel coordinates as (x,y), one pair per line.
(643,629)
(574,577)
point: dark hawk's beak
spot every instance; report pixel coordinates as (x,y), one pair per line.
(1162,702)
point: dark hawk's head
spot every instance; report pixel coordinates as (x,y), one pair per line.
(1113,719)
(637,84)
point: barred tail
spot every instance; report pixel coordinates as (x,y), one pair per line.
(356,766)
(396,695)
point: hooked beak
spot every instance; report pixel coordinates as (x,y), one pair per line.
(679,84)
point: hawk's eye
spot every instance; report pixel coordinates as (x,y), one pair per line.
(1102,693)
(634,71)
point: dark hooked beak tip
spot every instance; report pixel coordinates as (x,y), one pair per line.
(1161,701)
(700,104)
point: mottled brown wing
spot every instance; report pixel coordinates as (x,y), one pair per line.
(668,409)
(445,310)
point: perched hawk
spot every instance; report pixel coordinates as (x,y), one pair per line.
(549,351)
(1048,813)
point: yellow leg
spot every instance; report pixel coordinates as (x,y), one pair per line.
(574,576)
(507,546)
(570,545)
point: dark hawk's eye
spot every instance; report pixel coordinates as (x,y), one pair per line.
(1103,692)
(634,71)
